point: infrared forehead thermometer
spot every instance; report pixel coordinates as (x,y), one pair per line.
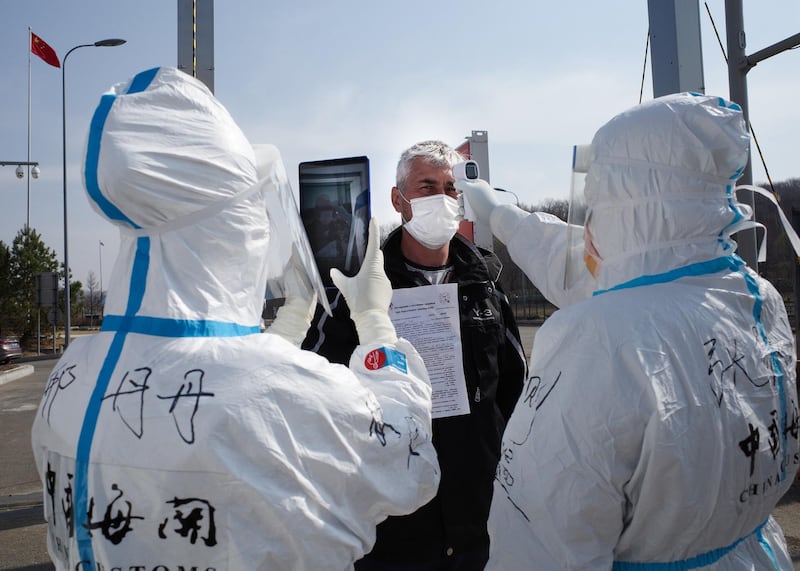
(466,170)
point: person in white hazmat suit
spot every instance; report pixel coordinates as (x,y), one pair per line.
(179,437)
(659,425)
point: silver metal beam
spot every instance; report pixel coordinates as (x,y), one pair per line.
(675,46)
(196,39)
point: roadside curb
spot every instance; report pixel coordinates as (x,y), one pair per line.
(21,369)
(16,373)
(17,501)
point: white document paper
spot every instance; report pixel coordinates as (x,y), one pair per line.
(427,316)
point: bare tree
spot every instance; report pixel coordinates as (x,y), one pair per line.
(555,206)
(94,298)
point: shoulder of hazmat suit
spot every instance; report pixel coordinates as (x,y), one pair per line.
(179,437)
(659,425)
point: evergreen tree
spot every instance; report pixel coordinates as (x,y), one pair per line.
(5,289)
(29,256)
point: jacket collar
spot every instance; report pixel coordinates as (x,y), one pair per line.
(470,263)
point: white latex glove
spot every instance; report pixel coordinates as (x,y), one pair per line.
(482,198)
(369,293)
(501,218)
(293,319)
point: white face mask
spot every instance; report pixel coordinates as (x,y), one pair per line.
(434,220)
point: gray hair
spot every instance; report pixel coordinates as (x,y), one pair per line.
(435,153)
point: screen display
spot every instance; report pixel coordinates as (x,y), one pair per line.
(335,209)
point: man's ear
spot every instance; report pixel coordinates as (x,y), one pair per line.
(397,200)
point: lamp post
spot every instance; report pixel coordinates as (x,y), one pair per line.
(102,43)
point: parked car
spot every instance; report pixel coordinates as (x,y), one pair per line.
(9,349)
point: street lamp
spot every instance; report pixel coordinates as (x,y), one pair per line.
(111,42)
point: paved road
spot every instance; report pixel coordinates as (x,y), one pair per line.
(23,533)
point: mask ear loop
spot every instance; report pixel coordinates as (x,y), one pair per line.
(407,201)
(787,226)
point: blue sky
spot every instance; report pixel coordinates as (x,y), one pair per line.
(334,79)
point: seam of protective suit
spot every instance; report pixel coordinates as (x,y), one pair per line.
(91,416)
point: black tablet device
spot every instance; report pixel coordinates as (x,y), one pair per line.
(335,210)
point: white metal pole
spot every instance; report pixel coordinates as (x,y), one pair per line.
(28,211)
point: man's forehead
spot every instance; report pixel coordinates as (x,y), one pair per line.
(422,169)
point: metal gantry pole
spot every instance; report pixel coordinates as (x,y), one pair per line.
(739,64)
(737,89)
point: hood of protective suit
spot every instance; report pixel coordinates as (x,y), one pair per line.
(167,164)
(660,187)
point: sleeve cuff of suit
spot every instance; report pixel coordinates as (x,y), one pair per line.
(504,221)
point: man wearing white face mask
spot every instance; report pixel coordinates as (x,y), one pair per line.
(450,531)
(428,204)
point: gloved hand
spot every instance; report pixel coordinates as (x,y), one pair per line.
(369,293)
(294,317)
(504,220)
(482,197)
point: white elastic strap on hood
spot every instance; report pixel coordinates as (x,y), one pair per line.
(787,226)
(197,216)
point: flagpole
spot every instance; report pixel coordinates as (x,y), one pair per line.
(28,214)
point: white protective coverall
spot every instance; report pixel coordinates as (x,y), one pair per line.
(659,425)
(179,437)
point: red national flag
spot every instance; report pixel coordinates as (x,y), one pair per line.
(44,51)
